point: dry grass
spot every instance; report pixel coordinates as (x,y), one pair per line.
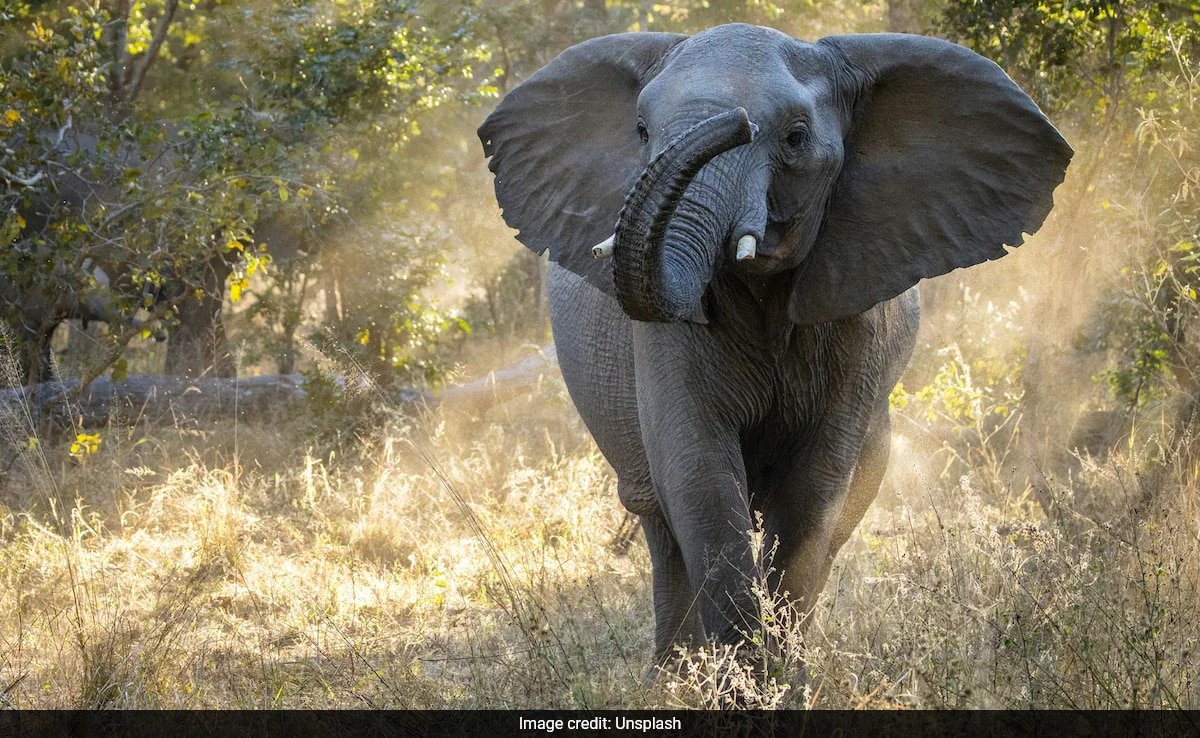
(483,563)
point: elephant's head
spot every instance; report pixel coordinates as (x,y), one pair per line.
(860,164)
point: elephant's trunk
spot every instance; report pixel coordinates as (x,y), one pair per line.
(655,280)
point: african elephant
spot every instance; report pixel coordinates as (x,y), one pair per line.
(775,202)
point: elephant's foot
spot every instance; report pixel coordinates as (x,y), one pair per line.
(720,676)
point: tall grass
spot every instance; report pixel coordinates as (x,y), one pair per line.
(485,563)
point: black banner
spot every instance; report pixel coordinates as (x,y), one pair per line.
(323,724)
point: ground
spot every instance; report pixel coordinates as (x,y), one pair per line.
(448,561)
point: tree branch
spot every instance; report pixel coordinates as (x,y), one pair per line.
(116,37)
(138,76)
(23,181)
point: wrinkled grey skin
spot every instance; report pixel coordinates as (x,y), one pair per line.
(721,389)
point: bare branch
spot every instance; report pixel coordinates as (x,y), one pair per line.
(23,181)
(138,76)
(62,132)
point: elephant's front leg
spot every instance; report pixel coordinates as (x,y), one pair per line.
(702,488)
(696,465)
(819,500)
(676,619)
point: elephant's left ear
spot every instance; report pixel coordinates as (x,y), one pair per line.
(946,162)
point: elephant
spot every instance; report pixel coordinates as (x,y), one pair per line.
(736,222)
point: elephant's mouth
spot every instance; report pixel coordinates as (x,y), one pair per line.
(783,247)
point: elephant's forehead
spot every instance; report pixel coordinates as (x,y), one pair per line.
(752,51)
(764,71)
(738,37)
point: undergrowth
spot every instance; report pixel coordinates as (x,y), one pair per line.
(485,562)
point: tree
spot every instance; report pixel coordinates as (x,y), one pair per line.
(1120,76)
(188,125)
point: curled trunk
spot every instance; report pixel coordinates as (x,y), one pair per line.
(658,259)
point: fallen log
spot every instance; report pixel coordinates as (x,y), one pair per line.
(159,399)
(503,384)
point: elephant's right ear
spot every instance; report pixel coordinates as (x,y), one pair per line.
(565,149)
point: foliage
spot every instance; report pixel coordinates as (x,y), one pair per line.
(509,305)
(382,326)
(94,189)
(1092,58)
(1158,290)
(1123,75)
(970,396)
(84,445)
(299,112)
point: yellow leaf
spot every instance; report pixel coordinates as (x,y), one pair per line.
(85,444)
(11,117)
(233,245)
(40,33)
(236,287)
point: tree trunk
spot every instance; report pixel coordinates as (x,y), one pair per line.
(292,312)
(154,400)
(904,16)
(199,346)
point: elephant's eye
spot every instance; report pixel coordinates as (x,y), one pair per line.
(642,132)
(798,136)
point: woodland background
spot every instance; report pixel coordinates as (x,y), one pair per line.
(295,188)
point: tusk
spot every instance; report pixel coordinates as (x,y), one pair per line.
(746,247)
(604,249)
